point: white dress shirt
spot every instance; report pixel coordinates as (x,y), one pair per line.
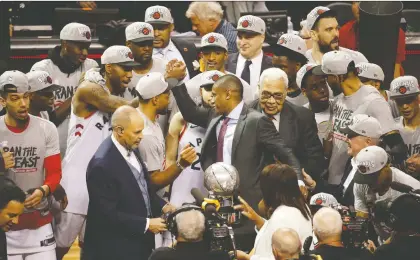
(169,53)
(131,159)
(227,143)
(254,69)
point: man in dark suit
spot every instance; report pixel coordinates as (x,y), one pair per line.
(166,47)
(123,208)
(235,135)
(250,61)
(296,124)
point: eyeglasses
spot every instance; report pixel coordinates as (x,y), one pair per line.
(266,96)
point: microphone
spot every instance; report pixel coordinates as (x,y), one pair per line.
(398,186)
(208,205)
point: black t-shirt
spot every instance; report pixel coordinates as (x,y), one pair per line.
(3,245)
(406,248)
(341,253)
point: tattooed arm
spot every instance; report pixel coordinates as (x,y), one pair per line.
(98,97)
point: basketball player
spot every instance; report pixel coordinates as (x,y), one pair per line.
(66,64)
(405,92)
(33,142)
(182,133)
(88,127)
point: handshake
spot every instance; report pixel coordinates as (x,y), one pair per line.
(158,225)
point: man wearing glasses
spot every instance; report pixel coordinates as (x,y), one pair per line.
(298,127)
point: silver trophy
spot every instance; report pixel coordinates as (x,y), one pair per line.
(222,182)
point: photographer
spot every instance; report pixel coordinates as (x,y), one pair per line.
(189,229)
(11,207)
(327,225)
(404,215)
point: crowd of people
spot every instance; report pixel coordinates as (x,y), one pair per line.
(101,153)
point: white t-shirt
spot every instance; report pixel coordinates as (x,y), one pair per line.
(300,100)
(322,120)
(355,55)
(411,137)
(367,100)
(69,83)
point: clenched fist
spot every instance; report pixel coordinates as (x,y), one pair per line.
(9,160)
(175,69)
(187,156)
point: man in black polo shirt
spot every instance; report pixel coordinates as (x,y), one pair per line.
(11,206)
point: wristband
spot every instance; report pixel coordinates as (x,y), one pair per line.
(179,165)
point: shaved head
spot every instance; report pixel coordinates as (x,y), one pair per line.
(230,81)
(122,116)
(286,243)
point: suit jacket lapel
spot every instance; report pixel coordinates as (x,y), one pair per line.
(210,128)
(238,131)
(233,63)
(265,63)
(286,122)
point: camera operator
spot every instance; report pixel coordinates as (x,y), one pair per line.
(328,226)
(404,215)
(373,183)
(189,229)
(11,207)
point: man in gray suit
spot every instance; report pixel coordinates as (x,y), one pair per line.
(235,135)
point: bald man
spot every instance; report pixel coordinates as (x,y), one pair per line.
(123,206)
(286,244)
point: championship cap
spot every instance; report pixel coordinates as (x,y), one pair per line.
(210,77)
(158,15)
(214,40)
(250,23)
(363,125)
(292,42)
(317,13)
(369,162)
(118,54)
(404,86)
(139,32)
(334,63)
(41,81)
(152,85)
(14,81)
(370,71)
(304,70)
(323,199)
(76,32)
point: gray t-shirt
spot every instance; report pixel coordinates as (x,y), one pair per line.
(411,137)
(367,100)
(30,147)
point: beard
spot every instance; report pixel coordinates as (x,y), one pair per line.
(324,48)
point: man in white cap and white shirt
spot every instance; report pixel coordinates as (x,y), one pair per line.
(165,46)
(372,74)
(289,56)
(153,93)
(373,183)
(214,50)
(250,61)
(66,64)
(324,28)
(42,94)
(405,92)
(356,99)
(95,98)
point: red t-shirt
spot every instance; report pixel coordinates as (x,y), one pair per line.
(350,40)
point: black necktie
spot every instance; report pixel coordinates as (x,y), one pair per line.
(246,74)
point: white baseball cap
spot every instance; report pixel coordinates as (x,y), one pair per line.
(363,125)
(158,15)
(291,42)
(14,81)
(334,63)
(323,199)
(370,71)
(76,32)
(152,85)
(250,23)
(41,80)
(139,32)
(210,77)
(305,69)
(404,86)
(317,13)
(118,54)
(214,40)
(369,162)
